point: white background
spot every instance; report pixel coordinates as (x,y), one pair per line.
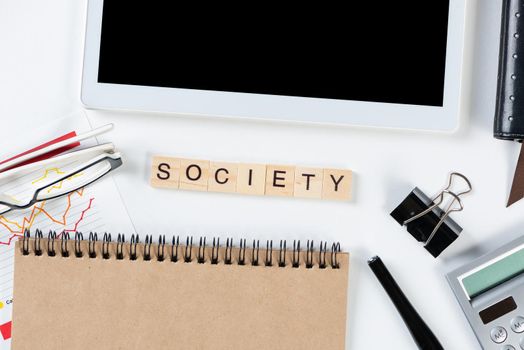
(41,45)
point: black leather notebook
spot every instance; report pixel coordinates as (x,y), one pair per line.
(509,112)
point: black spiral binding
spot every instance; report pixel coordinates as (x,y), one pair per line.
(309,254)
(25,242)
(296,254)
(254,252)
(105,245)
(132,247)
(93,238)
(269,253)
(322,256)
(79,237)
(188,250)
(64,245)
(144,251)
(51,237)
(282,254)
(160,249)
(242,252)
(174,250)
(38,242)
(147,247)
(229,248)
(335,249)
(215,250)
(120,240)
(201,256)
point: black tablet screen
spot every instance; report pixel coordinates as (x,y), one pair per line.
(380,51)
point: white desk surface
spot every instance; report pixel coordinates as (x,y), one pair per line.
(41,45)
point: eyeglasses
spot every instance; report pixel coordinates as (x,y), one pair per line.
(83,168)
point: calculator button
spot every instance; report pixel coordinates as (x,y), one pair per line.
(517,324)
(508,347)
(499,335)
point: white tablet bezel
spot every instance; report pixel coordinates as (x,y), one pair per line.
(287,108)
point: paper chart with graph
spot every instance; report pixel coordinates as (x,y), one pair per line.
(96,208)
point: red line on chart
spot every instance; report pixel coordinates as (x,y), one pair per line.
(81,217)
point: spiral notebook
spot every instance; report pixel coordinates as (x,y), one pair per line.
(103,294)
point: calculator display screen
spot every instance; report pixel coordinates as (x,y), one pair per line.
(494,273)
(389,52)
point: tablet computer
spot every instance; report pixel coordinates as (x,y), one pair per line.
(386,64)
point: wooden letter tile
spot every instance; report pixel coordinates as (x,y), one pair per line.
(337,184)
(251,179)
(308,182)
(280,180)
(194,174)
(222,177)
(165,172)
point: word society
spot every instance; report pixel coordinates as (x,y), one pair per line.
(254,179)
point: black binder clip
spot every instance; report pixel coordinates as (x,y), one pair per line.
(426,221)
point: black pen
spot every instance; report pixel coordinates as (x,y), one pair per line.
(420,332)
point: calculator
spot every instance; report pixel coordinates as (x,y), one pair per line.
(490,291)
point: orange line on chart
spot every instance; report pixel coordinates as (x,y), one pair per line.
(27,222)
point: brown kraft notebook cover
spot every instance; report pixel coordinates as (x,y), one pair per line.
(113,302)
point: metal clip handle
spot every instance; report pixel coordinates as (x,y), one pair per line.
(439,198)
